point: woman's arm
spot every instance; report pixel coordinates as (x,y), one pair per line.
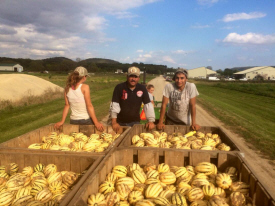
(65,112)
(193,114)
(86,92)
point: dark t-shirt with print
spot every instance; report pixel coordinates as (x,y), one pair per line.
(130,101)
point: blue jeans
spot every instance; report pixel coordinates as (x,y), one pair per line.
(128,124)
(82,121)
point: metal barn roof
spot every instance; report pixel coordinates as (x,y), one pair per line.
(252,69)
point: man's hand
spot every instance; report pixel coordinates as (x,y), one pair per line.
(196,127)
(99,127)
(160,126)
(150,125)
(116,127)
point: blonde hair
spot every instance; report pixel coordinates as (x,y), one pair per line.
(72,80)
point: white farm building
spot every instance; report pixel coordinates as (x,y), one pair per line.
(11,67)
(201,73)
(265,72)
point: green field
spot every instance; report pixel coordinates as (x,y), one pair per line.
(247,109)
(15,121)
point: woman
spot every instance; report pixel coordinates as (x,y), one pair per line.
(77,96)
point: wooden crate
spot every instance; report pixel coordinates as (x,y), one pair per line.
(75,163)
(22,142)
(123,156)
(169,129)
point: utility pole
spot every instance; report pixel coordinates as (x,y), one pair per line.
(144,76)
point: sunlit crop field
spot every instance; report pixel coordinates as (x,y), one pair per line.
(247,109)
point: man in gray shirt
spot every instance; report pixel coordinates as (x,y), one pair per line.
(181,96)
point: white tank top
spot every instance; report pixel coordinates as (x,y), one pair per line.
(77,104)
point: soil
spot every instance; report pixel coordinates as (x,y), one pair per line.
(262,167)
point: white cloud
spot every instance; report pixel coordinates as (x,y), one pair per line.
(139,50)
(180,52)
(209,60)
(124,15)
(207,2)
(37,52)
(94,23)
(146,56)
(143,58)
(27,42)
(169,59)
(72,28)
(249,38)
(243,16)
(242,58)
(158,57)
(114,5)
(183,65)
(7,30)
(198,26)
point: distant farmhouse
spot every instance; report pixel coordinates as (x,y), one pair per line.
(119,71)
(201,73)
(11,67)
(265,73)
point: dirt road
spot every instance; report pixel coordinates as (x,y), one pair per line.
(263,168)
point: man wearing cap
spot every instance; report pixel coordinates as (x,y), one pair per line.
(182,102)
(126,102)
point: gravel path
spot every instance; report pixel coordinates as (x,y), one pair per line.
(16,86)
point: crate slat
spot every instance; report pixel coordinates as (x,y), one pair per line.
(69,128)
(262,198)
(253,184)
(174,158)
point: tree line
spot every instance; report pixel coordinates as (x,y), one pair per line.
(62,64)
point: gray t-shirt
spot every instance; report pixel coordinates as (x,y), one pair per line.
(179,110)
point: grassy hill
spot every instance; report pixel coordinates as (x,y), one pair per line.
(98,61)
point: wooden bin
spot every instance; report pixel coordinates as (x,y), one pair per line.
(21,143)
(123,156)
(74,163)
(169,129)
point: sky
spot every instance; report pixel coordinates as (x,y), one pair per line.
(177,33)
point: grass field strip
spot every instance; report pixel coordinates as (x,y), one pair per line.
(248,114)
